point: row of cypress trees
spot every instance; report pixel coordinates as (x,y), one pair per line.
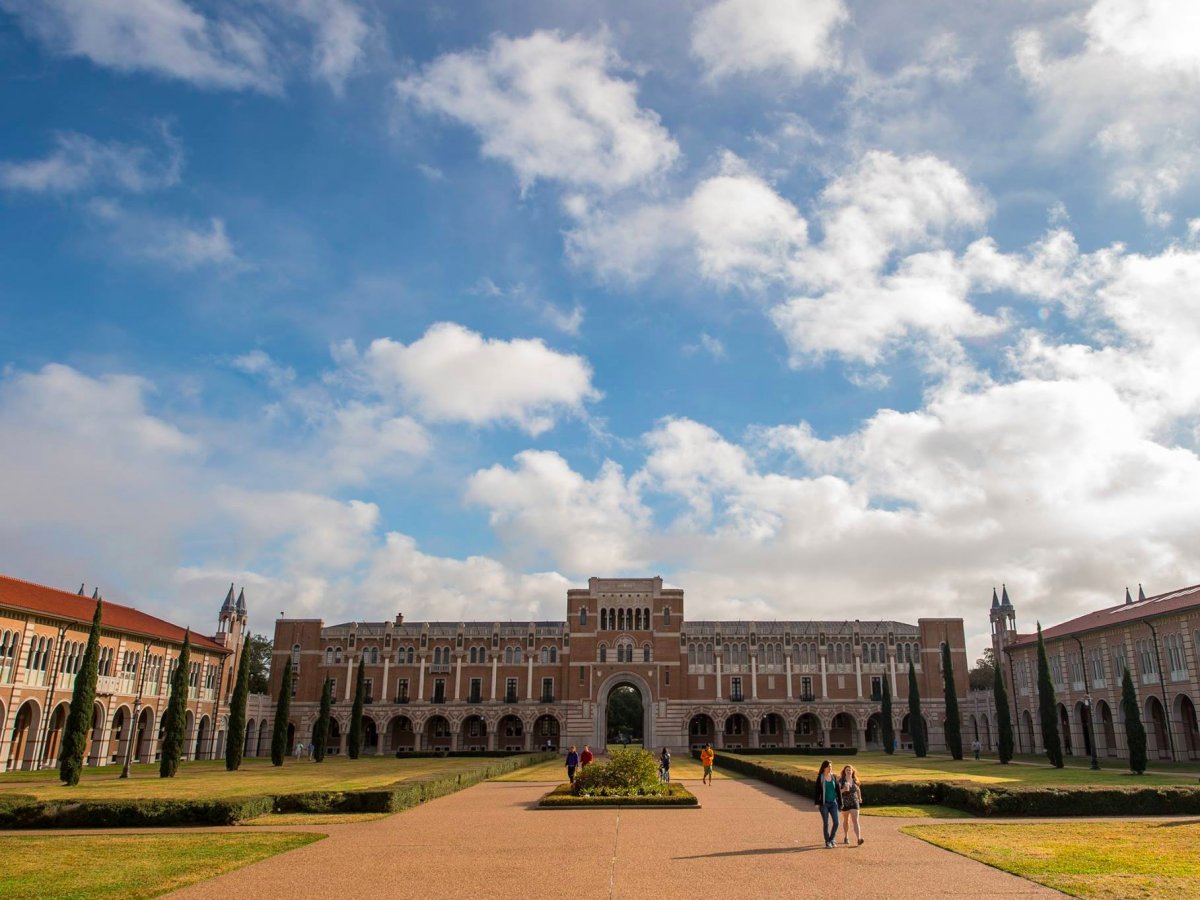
(320,738)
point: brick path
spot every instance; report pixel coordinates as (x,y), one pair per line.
(748,840)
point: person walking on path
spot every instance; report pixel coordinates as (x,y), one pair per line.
(826,799)
(975,747)
(585,757)
(572,764)
(664,766)
(706,760)
(850,798)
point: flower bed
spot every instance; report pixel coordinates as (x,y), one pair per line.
(670,795)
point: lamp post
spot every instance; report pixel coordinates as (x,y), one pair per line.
(1087,704)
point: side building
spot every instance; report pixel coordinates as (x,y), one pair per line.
(1157,638)
(43,632)
(522,685)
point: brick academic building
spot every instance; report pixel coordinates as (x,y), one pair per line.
(43,632)
(520,685)
(1156,638)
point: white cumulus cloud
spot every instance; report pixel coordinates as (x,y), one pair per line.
(789,37)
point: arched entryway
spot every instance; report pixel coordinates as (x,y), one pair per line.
(403,736)
(370,736)
(737,731)
(96,742)
(189,731)
(1064,731)
(437,733)
(1083,716)
(510,734)
(545,733)
(24,736)
(334,746)
(841,730)
(1185,715)
(53,741)
(251,745)
(906,731)
(1106,736)
(701,731)
(144,751)
(202,735)
(474,733)
(771,730)
(119,736)
(985,734)
(626,719)
(1027,739)
(607,688)
(291,738)
(874,732)
(1157,727)
(808,731)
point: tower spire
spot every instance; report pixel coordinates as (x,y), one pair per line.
(1141,593)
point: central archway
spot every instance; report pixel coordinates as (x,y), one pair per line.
(626,716)
(611,685)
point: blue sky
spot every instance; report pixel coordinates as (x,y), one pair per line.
(817,308)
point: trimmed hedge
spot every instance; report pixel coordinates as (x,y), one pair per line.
(988,800)
(788,751)
(675,795)
(24,811)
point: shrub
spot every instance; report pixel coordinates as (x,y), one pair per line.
(628,771)
(669,795)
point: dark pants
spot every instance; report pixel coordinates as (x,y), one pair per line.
(829,819)
(571,773)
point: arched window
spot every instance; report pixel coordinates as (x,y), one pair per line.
(553,654)
(329,656)
(666,617)
(508,656)
(603,652)
(645,653)
(646,618)
(637,618)
(620,620)
(583,616)
(295,658)
(471,655)
(337,654)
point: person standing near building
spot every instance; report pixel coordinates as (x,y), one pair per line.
(975,747)
(585,757)
(826,798)
(572,763)
(706,760)
(664,766)
(850,800)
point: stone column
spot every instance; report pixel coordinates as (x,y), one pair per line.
(718,677)
(824,679)
(457,676)
(858,674)
(453,741)
(349,674)
(754,677)
(491,738)
(494,660)
(384,695)
(788,665)
(381,739)
(529,679)
(421,680)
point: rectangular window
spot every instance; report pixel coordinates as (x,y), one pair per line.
(475,690)
(402,690)
(581,674)
(735,688)
(439,690)
(770,682)
(368,690)
(667,676)
(333,689)
(547,690)
(876,688)
(806,688)
(510,690)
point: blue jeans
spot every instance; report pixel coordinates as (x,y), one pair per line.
(829,819)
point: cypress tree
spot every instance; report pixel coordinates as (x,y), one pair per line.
(234,744)
(354,738)
(916,725)
(885,711)
(321,728)
(953,722)
(1003,717)
(175,717)
(79,719)
(1048,707)
(1135,731)
(279,739)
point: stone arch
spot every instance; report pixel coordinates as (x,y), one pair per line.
(1083,717)
(1064,730)
(96,736)
(772,730)
(1027,732)
(1189,729)
(404,736)
(985,734)
(203,729)
(370,735)
(251,744)
(52,741)
(510,732)
(23,739)
(334,745)
(873,733)
(600,732)
(1106,732)
(437,732)
(843,730)
(474,733)
(547,730)
(1156,728)
(189,728)
(144,736)
(701,729)
(119,735)
(808,730)
(736,731)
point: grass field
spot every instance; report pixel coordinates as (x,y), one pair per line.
(1084,859)
(916,812)
(906,767)
(209,780)
(129,866)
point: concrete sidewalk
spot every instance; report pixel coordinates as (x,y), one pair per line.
(748,839)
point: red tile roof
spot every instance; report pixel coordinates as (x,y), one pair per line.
(1160,604)
(37,598)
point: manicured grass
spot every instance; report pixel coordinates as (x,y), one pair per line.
(1084,859)
(906,767)
(129,866)
(315,818)
(1190,768)
(209,780)
(916,812)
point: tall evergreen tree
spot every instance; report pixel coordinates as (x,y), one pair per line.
(354,738)
(953,721)
(235,743)
(1048,707)
(1004,725)
(916,724)
(175,718)
(321,728)
(78,727)
(279,736)
(885,712)
(1135,731)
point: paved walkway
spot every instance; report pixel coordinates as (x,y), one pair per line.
(748,839)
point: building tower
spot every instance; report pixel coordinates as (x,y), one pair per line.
(1004,622)
(231,632)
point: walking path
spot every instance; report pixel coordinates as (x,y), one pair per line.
(748,839)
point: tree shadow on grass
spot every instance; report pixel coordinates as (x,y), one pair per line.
(1177,824)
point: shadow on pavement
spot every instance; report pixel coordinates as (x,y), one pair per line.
(763,852)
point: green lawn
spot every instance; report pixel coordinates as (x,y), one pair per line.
(877,766)
(916,812)
(129,866)
(208,779)
(1084,859)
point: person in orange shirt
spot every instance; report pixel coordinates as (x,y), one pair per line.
(706,760)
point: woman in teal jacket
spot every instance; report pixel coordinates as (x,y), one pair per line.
(826,798)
